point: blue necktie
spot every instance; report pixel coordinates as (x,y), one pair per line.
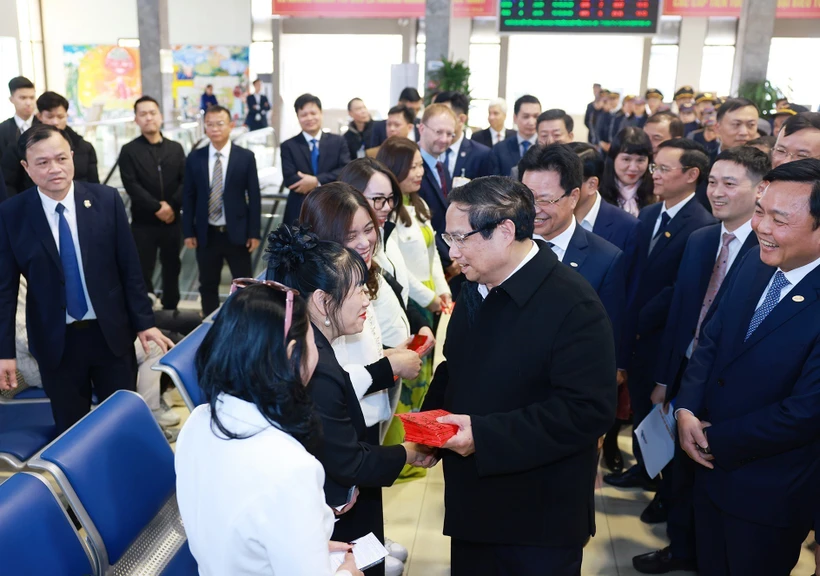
(314,156)
(74,295)
(664,221)
(772,299)
(526,146)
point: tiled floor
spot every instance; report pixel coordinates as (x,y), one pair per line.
(414,515)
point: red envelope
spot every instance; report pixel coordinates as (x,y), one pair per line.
(422,428)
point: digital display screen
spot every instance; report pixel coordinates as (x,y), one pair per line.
(604,16)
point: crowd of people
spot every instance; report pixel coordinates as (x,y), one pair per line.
(670,262)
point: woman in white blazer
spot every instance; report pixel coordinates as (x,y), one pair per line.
(249,488)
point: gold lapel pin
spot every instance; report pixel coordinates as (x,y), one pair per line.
(573,264)
(667,234)
(798,298)
(87,203)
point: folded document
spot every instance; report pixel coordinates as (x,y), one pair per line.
(367,550)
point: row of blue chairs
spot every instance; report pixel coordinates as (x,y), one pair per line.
(116,471)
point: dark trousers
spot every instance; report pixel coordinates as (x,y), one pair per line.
(676,492)
(641,383)
(730,546)
(473,558)
(167,238)
(87,362)
(210,259)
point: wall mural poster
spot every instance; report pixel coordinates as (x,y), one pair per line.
(226,67)
(102,81)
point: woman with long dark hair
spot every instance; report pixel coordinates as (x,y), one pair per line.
(627,182)
(428,288)
(332,280)
(249,486)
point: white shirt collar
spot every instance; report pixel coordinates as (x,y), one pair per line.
(309,138)
(226,150)
(50,204)
(741,233)
(531,139)
(592,215)
(23,125)
(498,135)
(455,146)
(795,276)
(562,240)
(677,207)
(482,288)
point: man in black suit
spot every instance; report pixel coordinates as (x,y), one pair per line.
(555,127)
(359,129)
(508,152)
(401,121)
(258,108)
(221,207)
(799,139)
(52,110)
(21,95)
(679,166)
(86,301)
(748,411)
(464,158)
(708,262)
(520,472)
(152,168)
(410,99)
(311,158)
(554,174)
(497,116)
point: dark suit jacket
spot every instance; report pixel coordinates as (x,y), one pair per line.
(602,265)
(333,156)
(379,133)
(9,133)
(486,137)
(690,289)
(250,119)
(762,398)
(654,296)
(438,203)
(348,460)
(474,160)
(110,265)
(240,196)
(85,164)
(3,193)
(507,156)
(620,228)
(532,476)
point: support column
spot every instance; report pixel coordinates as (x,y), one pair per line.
(754,40)
(409,29)
(152,20)
(276,79)
(503,60)
(437,16)
(647,53)
(690,50)
(460,31)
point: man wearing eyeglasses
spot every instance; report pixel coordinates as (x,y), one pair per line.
(555,174)
(680,165)
(222,208)
(798,139)
(530,381)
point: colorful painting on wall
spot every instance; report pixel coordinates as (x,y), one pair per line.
(102,81)
(225,67)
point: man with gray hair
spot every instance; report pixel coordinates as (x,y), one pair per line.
(497,115)
(529,379)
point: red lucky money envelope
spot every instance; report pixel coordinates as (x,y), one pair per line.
(422,428)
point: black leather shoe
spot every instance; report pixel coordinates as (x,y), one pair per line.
(635,477)
(662,562)
(655,513)
(613,459)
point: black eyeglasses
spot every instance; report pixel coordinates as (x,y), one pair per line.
(378,201)
(459,239)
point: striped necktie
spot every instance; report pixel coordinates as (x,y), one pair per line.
(217,184)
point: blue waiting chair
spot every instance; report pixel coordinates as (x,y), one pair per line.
(117,472)
(26,425)
(36,532)
(179,364)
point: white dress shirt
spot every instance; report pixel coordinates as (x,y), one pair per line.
(482,288)
(226,154)
(671,211)
(310,139)
(521,140)
(252,506)
(561,242)
(22,125)
(793,276)
(498,136)
(53,218)
(588,223)
(455,148)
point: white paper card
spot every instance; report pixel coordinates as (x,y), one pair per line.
(656,436)
(367,550)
